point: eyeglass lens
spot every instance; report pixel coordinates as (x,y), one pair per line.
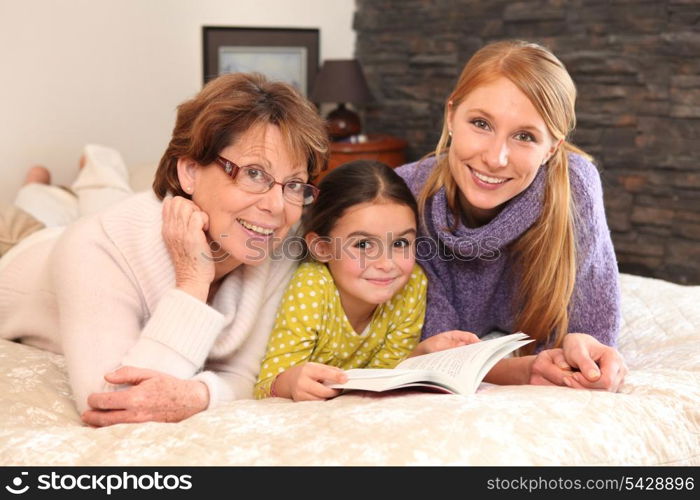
(258,181)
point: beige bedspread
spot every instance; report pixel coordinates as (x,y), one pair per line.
(654,420)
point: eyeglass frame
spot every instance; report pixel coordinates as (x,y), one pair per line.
(231,169)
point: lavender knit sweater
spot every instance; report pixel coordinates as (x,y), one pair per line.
(471,282)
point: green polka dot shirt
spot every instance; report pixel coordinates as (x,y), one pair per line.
(311,325)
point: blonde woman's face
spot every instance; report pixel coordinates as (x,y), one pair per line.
(499,141)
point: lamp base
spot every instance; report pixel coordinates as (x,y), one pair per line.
(342,122)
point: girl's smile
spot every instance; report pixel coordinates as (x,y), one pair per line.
(371,254)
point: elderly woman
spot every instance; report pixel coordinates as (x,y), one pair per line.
(516,220)
(162,304)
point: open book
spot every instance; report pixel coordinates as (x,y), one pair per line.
(457,371)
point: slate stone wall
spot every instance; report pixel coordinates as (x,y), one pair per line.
(636,64)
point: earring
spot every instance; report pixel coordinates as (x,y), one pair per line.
(450,133)
(188,190)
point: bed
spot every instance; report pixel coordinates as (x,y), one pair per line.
(653,420)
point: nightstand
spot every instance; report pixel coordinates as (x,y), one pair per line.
(381,147)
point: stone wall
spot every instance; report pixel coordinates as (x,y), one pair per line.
(636,64)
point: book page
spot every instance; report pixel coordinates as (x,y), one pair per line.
(458,370)
(465,363)
(379,381)
(450,362)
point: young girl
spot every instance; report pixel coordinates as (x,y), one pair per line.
(361,302)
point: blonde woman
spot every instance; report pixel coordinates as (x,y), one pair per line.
(513,229)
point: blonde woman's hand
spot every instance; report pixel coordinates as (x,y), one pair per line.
(549,367)
(444,340)
(184,226)
(599,366)
(307,382)
(152,396)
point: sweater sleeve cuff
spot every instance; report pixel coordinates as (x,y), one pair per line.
(219,391)
(186,325)
(263,389)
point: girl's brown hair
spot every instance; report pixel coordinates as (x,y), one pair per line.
(353,183)
(229,106)
(545,256)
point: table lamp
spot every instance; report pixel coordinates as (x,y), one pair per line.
(341,81)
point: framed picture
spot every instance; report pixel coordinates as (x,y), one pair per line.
(288,55)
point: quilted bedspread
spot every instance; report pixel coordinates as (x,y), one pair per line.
(653,420)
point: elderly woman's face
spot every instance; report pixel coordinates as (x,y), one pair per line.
(499,141)
(247,226)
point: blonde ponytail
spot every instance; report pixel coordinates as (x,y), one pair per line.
(545,259)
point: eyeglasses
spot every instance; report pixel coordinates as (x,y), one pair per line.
(254,179)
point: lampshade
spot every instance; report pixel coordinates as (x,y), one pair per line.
(341,80)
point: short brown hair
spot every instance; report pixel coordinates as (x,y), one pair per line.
(229,106)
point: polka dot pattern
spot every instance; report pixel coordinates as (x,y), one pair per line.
(311,325)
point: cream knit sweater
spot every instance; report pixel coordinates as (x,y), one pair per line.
(103,294)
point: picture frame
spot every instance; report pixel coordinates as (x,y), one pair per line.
(290,55)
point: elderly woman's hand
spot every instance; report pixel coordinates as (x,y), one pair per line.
(600,366)
(152,397)
(184,226)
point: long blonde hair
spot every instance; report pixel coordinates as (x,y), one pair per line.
(545,256)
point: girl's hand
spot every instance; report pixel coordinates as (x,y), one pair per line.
(305,382)
(444,340)
(152,397)
(600,366)
(184,226)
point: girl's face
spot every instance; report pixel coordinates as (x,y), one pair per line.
(246,226)
(371,253)
(499,141)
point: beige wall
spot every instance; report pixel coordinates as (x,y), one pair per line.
(112,71)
